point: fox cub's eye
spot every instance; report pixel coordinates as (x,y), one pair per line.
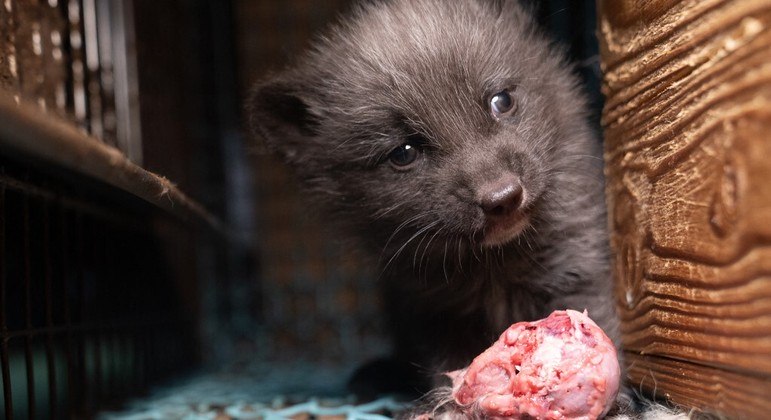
(404,156)
(502,104)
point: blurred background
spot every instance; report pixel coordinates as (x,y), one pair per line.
(262,306)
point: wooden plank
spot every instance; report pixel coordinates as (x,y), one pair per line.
(725,392)
(687,141)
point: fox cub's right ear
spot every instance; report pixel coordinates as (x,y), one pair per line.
(280,116)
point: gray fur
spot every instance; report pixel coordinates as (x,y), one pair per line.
(405,68)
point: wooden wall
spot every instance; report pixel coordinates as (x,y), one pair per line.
(687,126)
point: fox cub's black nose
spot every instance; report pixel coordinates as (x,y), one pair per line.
(502,196)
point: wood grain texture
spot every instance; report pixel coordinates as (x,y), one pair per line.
(688,140)
(742,396)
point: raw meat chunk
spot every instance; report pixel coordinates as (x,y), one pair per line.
(560,367)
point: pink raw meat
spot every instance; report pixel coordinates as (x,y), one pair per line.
(560,367)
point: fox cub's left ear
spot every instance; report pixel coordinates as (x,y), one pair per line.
(281,117)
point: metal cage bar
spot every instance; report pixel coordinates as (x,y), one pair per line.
(89,311)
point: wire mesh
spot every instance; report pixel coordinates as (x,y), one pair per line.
(72,59)
(260,391)
(88,308)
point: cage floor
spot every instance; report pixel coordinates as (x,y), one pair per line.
(299,391)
